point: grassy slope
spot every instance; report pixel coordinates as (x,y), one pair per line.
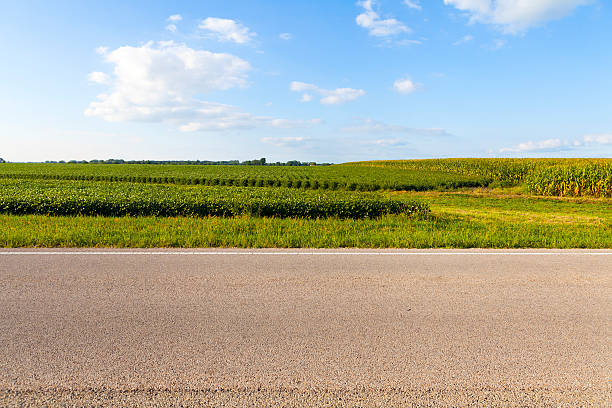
(459,220)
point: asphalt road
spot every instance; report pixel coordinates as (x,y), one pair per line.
(296,328)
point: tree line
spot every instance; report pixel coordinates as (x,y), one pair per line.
(255,162)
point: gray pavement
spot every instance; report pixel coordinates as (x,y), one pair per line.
(305,327)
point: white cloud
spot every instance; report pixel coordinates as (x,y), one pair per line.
(288,141)
(554,145)
(605,138)
(404,86)
(306,98)
(516,16)
(464,39)
(407,42)
(377,26)
(218,117)
(102,50)
(390,142)
(328,96)
(159,82)
(285,36)
(341,95)
(98,78)
(175,18)
(164,76)
(539,146)
(171,27)
(293,124)
(413,4)
(370,126)
(227,30)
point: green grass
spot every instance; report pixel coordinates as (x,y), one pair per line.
(458,221)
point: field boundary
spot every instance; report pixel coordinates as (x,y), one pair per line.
(323,252)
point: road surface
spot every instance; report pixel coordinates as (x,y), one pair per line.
(305,327)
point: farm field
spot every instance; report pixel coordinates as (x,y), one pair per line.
(458,203)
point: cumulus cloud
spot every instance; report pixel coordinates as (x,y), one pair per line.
(328,96)
(413,4)
(285,36)
(175,17)
(516,16)
(370,126)
(172,28)
(376,25)
(159,82)
(98,78)
(404,86)
(227,30)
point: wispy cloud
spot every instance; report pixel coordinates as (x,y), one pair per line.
(556,144)
(328,96)
(516,16)
(537,146)
(285,36)
(603,138)
(226,30)
(377,26)
(370,126)
(413,4)
(464,39)
(175,17)
(288,141)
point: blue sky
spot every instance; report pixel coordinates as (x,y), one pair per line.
(317,80)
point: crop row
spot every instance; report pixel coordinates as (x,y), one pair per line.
(592,180)
(352,178)
(130,199)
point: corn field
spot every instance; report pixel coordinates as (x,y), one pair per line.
(590,180)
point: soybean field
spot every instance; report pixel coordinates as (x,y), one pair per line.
(73,198)
(352,178)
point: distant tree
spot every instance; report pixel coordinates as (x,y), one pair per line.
(2,160)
